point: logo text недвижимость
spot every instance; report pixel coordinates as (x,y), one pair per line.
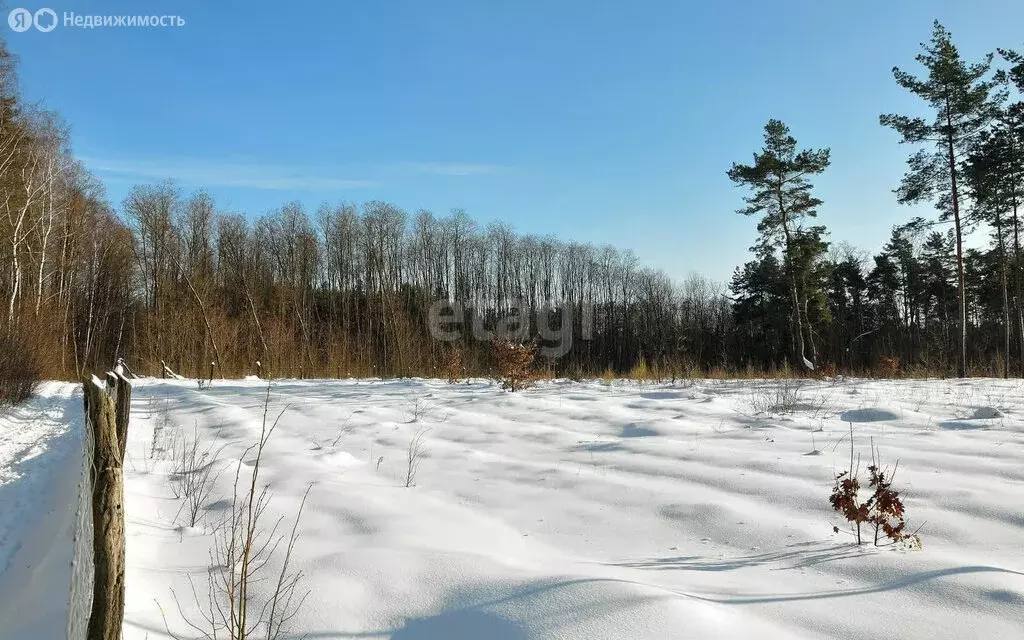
(46,20)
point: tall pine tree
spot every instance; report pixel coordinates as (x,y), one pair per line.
(989,178)
(964,103)
(782,196)
(1011,133)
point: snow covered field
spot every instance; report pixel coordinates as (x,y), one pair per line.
(586,510)
(596,511)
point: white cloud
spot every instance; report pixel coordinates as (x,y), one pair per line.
(230,174)
(255,175)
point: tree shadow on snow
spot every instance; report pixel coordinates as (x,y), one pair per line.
(662,395)
(553,605)
(811,554)
(460,625)
(598,446)
(906,581)
(634,430)
(797,556)
(867,415)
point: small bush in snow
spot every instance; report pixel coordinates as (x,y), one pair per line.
(417,452)
(883,509)
(418,408)
(253,593)
(888,367)
(846,501)
(887,508)
(778,397)
(193,476)
(514,361)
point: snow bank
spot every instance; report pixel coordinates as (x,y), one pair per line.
(41,470)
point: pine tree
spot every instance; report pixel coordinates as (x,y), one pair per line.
(989,176)
(938,270)
(759,310)
(846,291)
(1011,131)
(965,103)
(808,252)
(782,195)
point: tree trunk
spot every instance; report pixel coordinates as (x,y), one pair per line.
(1018,279)
(1006,296)
(202,310)
(961,369)
(259,327)
(796,326)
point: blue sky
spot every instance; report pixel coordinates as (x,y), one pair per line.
(603,122)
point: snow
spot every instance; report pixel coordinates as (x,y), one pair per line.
(598,510)
(40,470)
(570,510)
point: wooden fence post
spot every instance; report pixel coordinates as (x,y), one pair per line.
(107,615)
(121,389)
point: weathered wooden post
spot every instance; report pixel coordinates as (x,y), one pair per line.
(211,373)
(121,390)
(259,369)
(107,615)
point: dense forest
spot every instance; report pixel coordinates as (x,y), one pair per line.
(373,290)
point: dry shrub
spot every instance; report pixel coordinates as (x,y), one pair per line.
(887,507)
(717,373)
(888,367)
(982,370)
(546,372)
(576,373)
(778,397)
(417,451)
(640,371)
(193,476)
(514,361)
(845,500)
(252,589)
(453,367)
(19,370)
(925,370)
(883,509)
(827,370)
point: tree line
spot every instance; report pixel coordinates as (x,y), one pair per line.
(357,290)
(924,299)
